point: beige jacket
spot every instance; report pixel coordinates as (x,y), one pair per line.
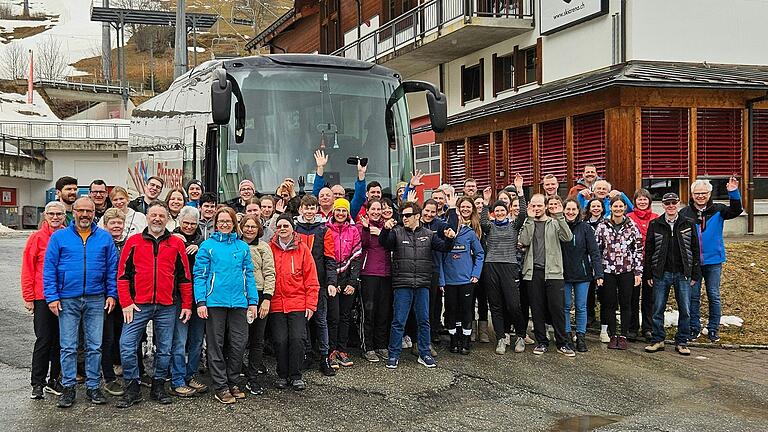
(263,269)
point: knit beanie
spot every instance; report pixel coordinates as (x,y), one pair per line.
(287,217)
(341,203)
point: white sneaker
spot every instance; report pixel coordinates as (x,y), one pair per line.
(520,345)
(507,339)
(528,340)
(501,347)
(604,338)
(407,342)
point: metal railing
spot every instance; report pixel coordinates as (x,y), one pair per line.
(95,86)
(22,147)
(426,19)
(65,130)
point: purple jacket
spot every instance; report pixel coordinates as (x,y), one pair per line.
(376,259)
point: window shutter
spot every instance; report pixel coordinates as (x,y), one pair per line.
(480,160)
(589,142)
(552,155)
(521,153)
(454,162)
(719,142)
(760,144)
(664,142)
(498,151)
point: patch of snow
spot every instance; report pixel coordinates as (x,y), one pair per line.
(13,106)
(701,358)
(731,320)
(4,229)
(199,49)
(671,317)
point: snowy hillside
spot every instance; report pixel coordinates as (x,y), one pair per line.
(13,106)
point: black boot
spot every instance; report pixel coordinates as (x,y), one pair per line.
(465,342)
(157,392)
(581,343)
(131,396)
(326,368)
(455,343)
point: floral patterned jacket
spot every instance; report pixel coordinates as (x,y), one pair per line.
(621,245)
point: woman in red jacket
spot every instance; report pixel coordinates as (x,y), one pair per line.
(642,216)
(46,353)
(293,303)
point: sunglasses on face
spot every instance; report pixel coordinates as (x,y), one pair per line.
(407,215)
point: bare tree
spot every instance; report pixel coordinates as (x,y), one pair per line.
(51,62)
(14,61)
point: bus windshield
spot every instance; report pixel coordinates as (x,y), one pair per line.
(292,113)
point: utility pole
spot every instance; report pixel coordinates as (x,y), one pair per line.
(180,53)
(25,12)
(106,48)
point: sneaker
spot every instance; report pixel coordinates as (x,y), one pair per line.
(714,337)
(566,351)
(281,383)
(427,361)
(528,340)
(371,356)
(622,343)
(225,397)
(236,392)
(655,347)
(604,338)
(37,392)
(501,347)
(540,349)
(508,339)
(254,388)
(114,388)
(683,350)
(694,336)
(54,387)
(262,370)
(299,385)
(333,358)
(344,359)
(199,387)
(382,353)
(326,367)
(67,397)
(407,343)
(392,363)
(519,345)
(613,343)
(183,391)
(581,343)
(96,396)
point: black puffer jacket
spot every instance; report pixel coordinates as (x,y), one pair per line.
(412,264)
(582,259)
(657,246)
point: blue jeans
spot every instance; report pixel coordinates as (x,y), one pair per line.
(404,299)
(579,290)
(195,337)
(682,297)
(711,274)
(163,318)
(89,310)
(179,351)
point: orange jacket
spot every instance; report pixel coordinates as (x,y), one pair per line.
(32,264)
(296,285)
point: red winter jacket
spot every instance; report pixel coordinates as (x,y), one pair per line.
(296,285)
(154,271)
(32,264)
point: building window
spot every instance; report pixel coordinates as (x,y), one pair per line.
(503,73)
(659,186)
(472,83)
(529,57)
(427,158)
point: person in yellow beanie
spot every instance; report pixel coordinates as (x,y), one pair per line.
(341,203)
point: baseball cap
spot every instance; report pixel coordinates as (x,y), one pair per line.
(670,197)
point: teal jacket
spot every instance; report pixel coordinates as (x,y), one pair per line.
(224,273)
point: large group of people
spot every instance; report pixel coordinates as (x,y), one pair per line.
(318,279)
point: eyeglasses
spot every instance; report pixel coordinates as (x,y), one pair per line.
(225,223)
(700,193)
(55,214)
(98,192)
(283,226)
(189,224)
(246,189)
(670,203)
(407,215)
(250,227)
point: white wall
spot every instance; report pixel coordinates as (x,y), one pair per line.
(28,192)
(715,31)
(89,165)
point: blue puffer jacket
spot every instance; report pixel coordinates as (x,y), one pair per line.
(74,268)
(224,273)
(464,261)
(709,223)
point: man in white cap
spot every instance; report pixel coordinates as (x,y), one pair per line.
(247,191)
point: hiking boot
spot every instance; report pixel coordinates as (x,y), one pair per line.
(199,387)
(96,396)
(501,347)
(604,337)
(67,397)
(114,388)
(326,367)
(281,383)
(454,344)
(225,397)
(519,345)
(382,353)
(37,392)
(392,363)
(183,391)
(540,349)
(132,395)
(482,332)
(54,387)
(613,343)
(566,351)
(465,343)
(581,343)
(157,392)
(344,359)
(254,388)
(299,385)
(428,361)
(622,343)
(371,356)
(683,350)
(655,347)
(236,392)
(334,361)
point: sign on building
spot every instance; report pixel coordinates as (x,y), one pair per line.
(556,15)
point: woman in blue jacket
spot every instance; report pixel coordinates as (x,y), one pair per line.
(225,292)
(459,272)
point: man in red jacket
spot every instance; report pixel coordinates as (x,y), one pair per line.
(153,275)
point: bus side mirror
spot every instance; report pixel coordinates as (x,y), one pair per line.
(438,111)
(436,102)
(221,97)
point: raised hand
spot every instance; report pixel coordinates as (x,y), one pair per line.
(321,159)
(361,170)
(451,200)
(280,206)
(411,196)
(614,193)
(557,207)
(531,213)
(449,233)
(487,193)
(733,184)
(586,193)
(416,179)
(519,183)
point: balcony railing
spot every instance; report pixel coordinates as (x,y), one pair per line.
(22,147)
(427,19)
(65,130)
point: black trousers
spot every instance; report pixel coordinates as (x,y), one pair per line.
(376,292)
(110,343)
(525,304)
(339,319)
(617,291)
(634,310)
(481,297)
(256,331)
(547,298)
(45,356)
(592,302)
(230,325)
(288,336)
(435,310)
(646,306)
(459,307)
(503,288)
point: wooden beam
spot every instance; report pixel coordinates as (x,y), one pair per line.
(492,164)
(686,97)
(539,62)
(638,145)
(535,161)
(569,150)
(693,143)
(744,183)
